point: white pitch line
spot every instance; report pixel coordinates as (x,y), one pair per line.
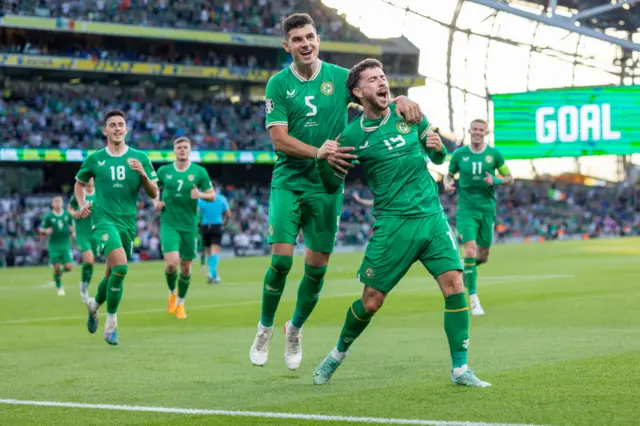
(259,414)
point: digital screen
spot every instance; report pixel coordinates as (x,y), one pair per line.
(568,122)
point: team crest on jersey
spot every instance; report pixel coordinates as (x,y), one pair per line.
(191,178)
(368,272)
(327,88)
(488,159)
(269,106)
(403,127)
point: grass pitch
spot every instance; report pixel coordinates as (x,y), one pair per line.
(559,343)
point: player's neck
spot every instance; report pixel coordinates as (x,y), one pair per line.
(373,113)
(478,148)
(181,166)
(307,71)
(57,212)
(116,149)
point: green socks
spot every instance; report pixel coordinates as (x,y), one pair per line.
(357,320)
(470,274)
(308,293)
(101,292)
(87,272)
(171,280)
(114,287)
(57,279)
(456,326)
(274,281)
(183,285)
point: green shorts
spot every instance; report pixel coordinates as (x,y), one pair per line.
(60,255)
(109,237)
(476,225)
(316,213)
(87,243)
(185,242)
(398,242)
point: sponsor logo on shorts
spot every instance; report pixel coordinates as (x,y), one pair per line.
(327,88)
(269,106)
(368,272)
(403,127)
(271,230)
(465,344)
(105,237)
(488,159)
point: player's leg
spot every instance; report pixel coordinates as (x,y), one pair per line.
(485,237)
(206,244)
(57,270)
(468,224)
(170,243)
(284,225)
(86,246)
(188,248)
(382,268)
(442,260)
(214,253)
(320,216)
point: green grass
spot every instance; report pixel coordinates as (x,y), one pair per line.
(559,343)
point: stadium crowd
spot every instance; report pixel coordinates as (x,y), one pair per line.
(233,16)
(527,209)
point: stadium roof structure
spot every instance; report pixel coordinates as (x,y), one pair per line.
(587,17)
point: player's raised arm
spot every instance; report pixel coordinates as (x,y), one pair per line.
(148,177)
(333,163)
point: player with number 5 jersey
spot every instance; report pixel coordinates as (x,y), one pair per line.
(307,104)
(476,165)
(119,172)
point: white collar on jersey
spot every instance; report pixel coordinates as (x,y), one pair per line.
(175,167)
(300,77)
(126,149)
(484,148)
(382,123)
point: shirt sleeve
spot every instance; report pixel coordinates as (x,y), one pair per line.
(275,106)
(225,204)
(160,177)
(73,202)
(501,165)
(454,167)
(204,182)
(425,127)
(86,170)
(148,168)
(46,222)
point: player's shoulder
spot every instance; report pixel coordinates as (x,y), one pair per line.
(337,70)
(353,132)
(198,168)
(164,168)
(279,77)
(137,153)
(99,154)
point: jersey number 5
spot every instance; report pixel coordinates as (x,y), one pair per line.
(314,109)
(117,173)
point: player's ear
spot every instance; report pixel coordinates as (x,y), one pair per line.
(104,131)
(357,93)
(285,45)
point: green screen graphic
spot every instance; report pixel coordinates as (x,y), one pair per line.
(568,123)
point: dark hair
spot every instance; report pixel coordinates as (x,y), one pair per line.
(113,113)
(354,75)
(297,20)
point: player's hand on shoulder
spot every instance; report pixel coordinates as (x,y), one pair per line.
(408,109)
(158,205)
(434,142)
(85,212)
(327,149)
(488,179)
(136,166)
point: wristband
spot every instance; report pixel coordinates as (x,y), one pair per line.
(497,181)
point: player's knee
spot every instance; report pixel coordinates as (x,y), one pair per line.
(171,268)
(470,249)
(120,270)
(451,283)
(482,258)
(316,273)
(185,267)
(372,300)
(67,267)
(281,264)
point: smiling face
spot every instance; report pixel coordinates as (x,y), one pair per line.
(115,129)
(56,203)
(373,88)
(478,130)
(303,44)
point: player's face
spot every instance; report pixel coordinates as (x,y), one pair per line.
(115,130)
(303,44)
(478,132)
(56,203)
(182,150)
(373,88)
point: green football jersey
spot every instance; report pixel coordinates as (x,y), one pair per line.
(59,223)
(180,210)
(314,111)
(117,184)
(473,192)
(391,153)
(84,226)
